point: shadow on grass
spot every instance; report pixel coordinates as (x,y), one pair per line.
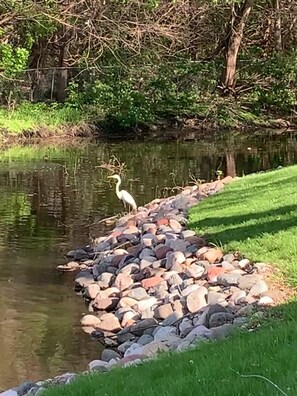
(236,227)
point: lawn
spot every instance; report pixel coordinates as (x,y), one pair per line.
(256,216)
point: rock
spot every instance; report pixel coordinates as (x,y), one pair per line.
(185,327)
(138,293)
(229,258)
(172,319)
(196,300)
(221,332)
(71,266)
(98,269)
(213,272)
(134,349)
(126,302)
(213,255)
(163,311)
(229,279)
(25,387)
(198,332)
(145,339)
(124,336)
(123,347)
(132,360)
(105,280)
(149,227)
(108,354)
(258,288)
(189,289)
(240,321)
(139,328)
(128,316)
(179,307)
(80,254)
(175,258)
(129,269)
(238,296)
(92,290)
(215,298)
(195,271)
(40,391)
(246,310)
(162,333)
(179,245)
(219,318)
(109,323)
(123,281)
(175,225)
(265,300)
(227,266)
(90,320)
(175,280)
(146,263)
(146,253)
(145,304)
(99,365)
(106,304)
(188,233)
(248,281)
(84,278)
(243,263)
(151,282)
(161,251)
(153,348)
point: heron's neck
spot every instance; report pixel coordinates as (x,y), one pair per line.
(118,186)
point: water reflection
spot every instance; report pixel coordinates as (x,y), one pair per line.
(50,196)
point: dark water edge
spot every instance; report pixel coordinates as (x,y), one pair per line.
(50,197)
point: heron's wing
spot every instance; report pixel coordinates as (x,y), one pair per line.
(128,198)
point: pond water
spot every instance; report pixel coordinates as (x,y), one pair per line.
(50,198)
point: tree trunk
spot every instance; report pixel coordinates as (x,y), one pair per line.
(62,72)
(239,17)
(278,27)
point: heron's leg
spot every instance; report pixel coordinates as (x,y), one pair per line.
(124,205)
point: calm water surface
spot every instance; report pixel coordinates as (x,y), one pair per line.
(50,196)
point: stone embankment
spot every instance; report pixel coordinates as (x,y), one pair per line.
(153,285)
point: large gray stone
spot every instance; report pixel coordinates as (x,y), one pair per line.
(219,318)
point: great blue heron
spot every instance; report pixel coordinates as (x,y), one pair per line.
(123,195)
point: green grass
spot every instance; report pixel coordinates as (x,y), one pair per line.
(257,216)
(39,116)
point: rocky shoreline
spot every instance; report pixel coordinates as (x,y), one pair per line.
(153,285)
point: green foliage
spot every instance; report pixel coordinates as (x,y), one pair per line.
(13,60)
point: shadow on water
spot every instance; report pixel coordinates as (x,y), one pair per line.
(50,196)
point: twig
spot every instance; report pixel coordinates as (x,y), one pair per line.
(262,377)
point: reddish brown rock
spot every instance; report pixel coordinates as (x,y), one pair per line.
(151,282)
(213,272)
(162,221)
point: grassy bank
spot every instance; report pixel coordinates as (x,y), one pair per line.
(257,216)
(41,120)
